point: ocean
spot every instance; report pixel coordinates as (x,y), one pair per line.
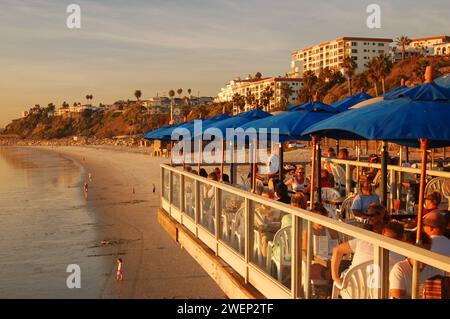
(45,226)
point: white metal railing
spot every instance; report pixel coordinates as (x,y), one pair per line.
(189,187)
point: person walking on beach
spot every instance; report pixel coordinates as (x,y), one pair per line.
(85,189)
(119,275)
(90,177)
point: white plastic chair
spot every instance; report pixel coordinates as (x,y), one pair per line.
(339,177)
(355,284)
(238,230)
(437,184)
(330,194)
(282,239)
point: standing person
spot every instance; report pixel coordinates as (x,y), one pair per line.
(90,177)
(119,274)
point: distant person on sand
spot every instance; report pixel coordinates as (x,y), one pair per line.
(119,275)
(90,177)
(85,189)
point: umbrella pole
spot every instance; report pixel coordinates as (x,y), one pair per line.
(307,282)
(416,270)
(223,160)
(200,159)
(313,170)
(407,154)
(254,167)
(171,149)
(319,171)
(281,163)
(445,153)
(384,173)
(337,147)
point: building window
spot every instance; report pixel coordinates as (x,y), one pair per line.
(354,51)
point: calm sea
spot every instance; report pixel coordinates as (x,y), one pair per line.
(44,227)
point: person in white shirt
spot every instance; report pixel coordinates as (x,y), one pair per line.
(434,224)
(400,277)
(362,250)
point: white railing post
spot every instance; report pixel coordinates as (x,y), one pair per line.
(197,206)
(162,183)
(379,276)
(217,214)
(297,256)
(415,280)
(182,197)
(307,283)
(248,236)
(170,191)
(348,179)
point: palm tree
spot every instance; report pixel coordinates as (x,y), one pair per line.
(384,67)
(360,82)
(179,91)
(171,95)
(350,65)
(309,82)
(258,76)
(138,94)
(372,74)
(250,99)
(403,41)
(286,92)
(266,97)
(238,101)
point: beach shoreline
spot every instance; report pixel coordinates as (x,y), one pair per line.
(121,198)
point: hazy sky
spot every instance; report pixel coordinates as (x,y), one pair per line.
(158,45)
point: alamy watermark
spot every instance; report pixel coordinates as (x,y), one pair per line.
(374,19)
(191,149)
(73,281)
(73,21)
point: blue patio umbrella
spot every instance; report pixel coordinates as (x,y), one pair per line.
(236,121)
(161,133)
(350,101)
(443,81)
(419,117)
(290,125)
(395,93)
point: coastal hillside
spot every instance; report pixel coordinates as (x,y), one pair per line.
(100,124)
(136,119)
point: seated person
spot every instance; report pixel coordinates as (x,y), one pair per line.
(324,241)
(370,173)
(343,154)
(263,219)
(434,225)
(281,193)
(226,179)
(400,277)
(299,183)
(362,201)
(331,153)
(327,179)
(289,171)
(362,250)
(432,201)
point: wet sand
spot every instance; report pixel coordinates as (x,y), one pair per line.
(121,198)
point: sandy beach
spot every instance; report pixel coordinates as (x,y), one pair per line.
(122,199)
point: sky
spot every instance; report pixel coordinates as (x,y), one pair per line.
(159,45)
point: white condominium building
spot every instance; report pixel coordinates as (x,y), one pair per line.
(331,54)
(428,43)
(255,88)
